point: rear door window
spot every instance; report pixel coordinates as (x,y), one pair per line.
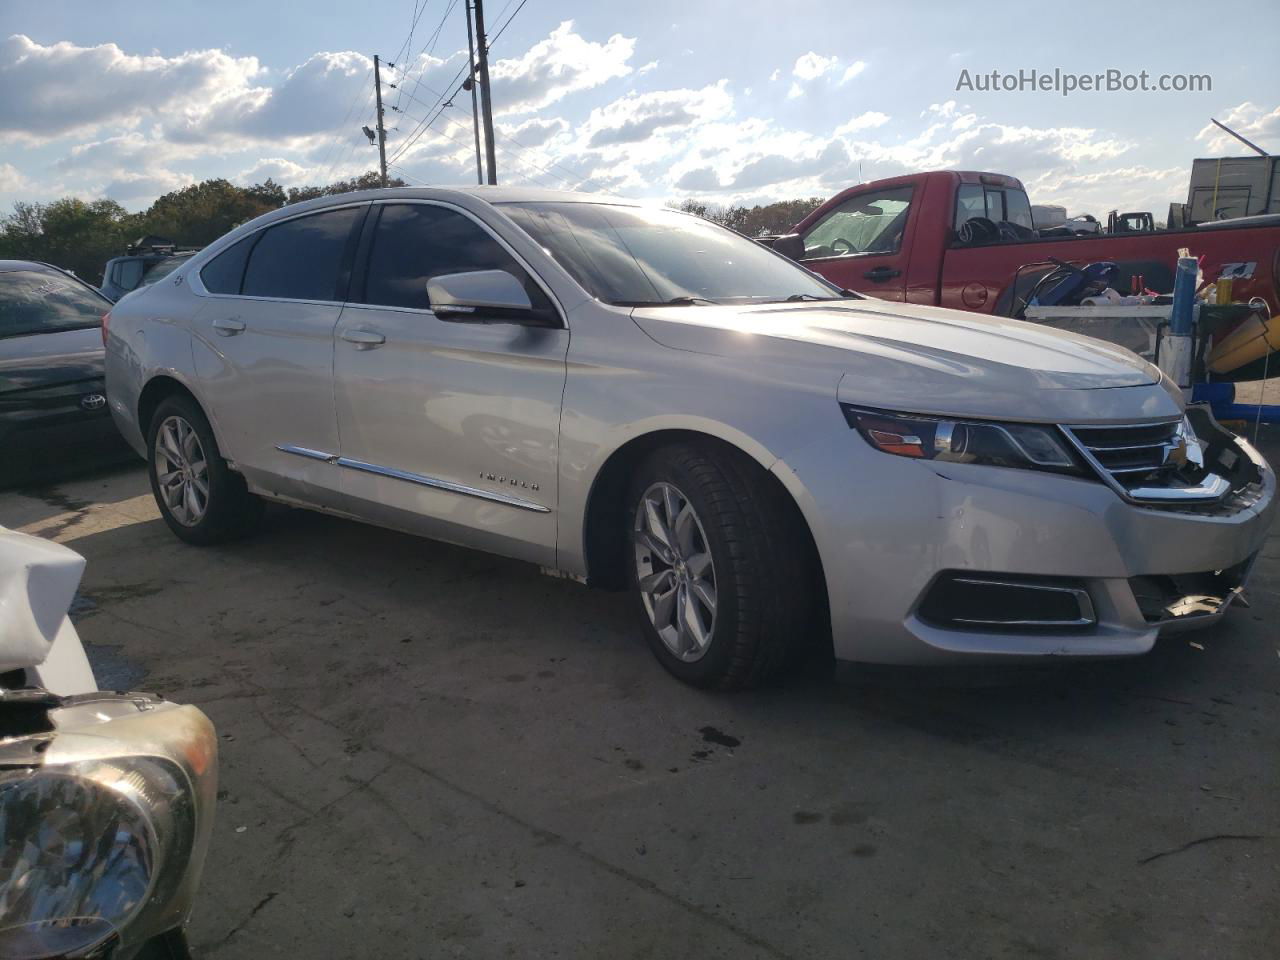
(414,242)
(302,259)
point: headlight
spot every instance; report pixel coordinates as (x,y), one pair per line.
(1026,445)
(102,838)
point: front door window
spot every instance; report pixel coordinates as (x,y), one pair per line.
(867,223)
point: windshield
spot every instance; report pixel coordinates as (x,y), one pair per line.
(633,256)
(42,301)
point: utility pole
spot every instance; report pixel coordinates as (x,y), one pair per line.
(471,85)
(486,103)
(382,131)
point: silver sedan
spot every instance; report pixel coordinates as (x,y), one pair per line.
(642,400)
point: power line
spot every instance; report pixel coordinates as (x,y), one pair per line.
(507,153)
(508,23)
(573,179)
(405,47)
(408,176)
(423,126)
(351,147)
(577,177)
(428,48)
(338,140)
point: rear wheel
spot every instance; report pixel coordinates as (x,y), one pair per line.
(718,572)
(199,497)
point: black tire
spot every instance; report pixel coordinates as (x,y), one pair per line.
(763,575)
(230,510)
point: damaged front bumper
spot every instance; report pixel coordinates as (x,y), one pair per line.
(1084,572)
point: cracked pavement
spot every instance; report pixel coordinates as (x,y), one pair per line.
(427,751)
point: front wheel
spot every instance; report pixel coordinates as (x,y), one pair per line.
(717,569)
(201,500)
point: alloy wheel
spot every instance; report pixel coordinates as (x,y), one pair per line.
(675,571)
(182,472)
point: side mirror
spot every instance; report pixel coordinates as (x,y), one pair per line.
(482,296)
(790,245)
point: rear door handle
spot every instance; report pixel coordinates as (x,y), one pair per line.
(363,339)
(228,326)
(882,273)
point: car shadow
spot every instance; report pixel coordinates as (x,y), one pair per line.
(340,575)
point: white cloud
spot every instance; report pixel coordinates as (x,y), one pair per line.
(863,121)
(636,117)
(279,169)
(535,132)
(1251,121)
(300,106)
(562,64)
(132,126)
(811,66)
(852,70)
(68,89)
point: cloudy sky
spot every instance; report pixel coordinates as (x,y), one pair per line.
(726,100)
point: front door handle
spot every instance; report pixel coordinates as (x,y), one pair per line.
(363,339)
(880,274)
(228,326)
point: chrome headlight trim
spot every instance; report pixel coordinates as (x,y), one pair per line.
(1027,446)
(142,778)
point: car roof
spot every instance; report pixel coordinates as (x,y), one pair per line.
(7,266)
(484,192)
(468,197)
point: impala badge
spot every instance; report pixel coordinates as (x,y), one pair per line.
(510,481)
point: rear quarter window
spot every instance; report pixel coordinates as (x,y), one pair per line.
(225,272)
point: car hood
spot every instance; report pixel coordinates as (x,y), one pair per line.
(50,359)
(926,359)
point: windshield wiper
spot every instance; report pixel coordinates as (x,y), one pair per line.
(673,302)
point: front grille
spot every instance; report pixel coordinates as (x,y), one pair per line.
(1134,456)
(1162,464)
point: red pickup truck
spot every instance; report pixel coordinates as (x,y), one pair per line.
(967,241)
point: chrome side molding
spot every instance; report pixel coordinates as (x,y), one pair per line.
(307,452)
(420,479)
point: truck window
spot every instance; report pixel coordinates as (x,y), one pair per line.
(1017,209)
(128,273)
(996,204)
(871,222)
(970,202)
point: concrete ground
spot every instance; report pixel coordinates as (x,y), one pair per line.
(429,752)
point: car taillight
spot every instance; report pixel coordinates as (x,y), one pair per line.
(106,320)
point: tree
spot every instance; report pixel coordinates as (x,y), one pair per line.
(755,221)
(366,181)
(74,234)
(201,213)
